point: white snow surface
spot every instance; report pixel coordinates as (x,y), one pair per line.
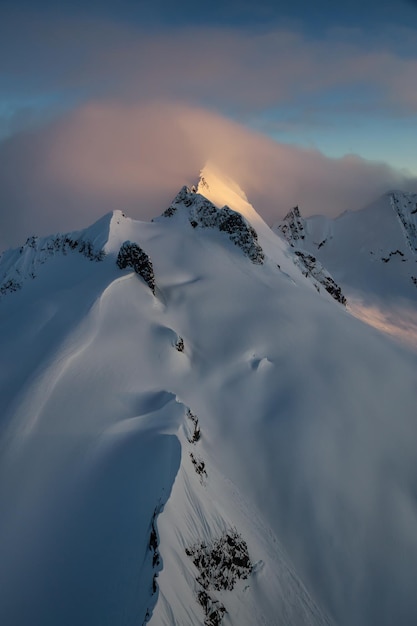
(307,419)
(372,255)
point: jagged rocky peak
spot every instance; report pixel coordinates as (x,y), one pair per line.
(293,226)
(202,213)
(183,197)
(293,229)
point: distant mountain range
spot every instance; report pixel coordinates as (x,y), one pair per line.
(372,254)
(194,427)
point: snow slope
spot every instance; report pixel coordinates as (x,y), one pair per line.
(372,254)
(229,447)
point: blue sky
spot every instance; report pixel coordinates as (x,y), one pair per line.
(335,79)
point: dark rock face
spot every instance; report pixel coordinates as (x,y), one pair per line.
(179,344)
(196,434)
(220,564)
(64,244)
(199,465)
(204,214)
(225,220)
(169,212)
(310,266)
(184,196)
(292,226)
(242,234)
(132,255)
(156,561)
(213,609)
(9,286)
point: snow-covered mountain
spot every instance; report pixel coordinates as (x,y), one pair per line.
(195,430)
(372,254)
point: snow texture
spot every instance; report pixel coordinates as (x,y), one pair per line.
(293,229)
(239,450)
(371,255)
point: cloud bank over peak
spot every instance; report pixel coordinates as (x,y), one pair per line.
(109,155)
(98,111)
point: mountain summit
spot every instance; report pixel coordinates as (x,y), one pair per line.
(194,430)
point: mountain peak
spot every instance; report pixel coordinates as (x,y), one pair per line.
(223,190)
(112,230)
(200,212)
(292,226)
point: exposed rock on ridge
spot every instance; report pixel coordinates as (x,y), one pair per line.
(204,214)
(310,266)
(22,263)
(292,226)
(293,229)
(220,564)
(405,206)
(132,255)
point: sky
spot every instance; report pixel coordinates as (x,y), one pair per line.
(108,105)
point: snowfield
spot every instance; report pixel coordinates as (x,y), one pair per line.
(199,433)
(372,254)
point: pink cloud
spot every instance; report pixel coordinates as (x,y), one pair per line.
(107,156)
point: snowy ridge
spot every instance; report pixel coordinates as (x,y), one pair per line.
(310,266)
(103,237)
(148,438)
(293,229)
(209,538)
(204,214)
(190,438)
(405,205)
(371,254)
(17,266)
(215,186)
(21,264)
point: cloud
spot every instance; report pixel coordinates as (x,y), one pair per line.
(109,155)
(248,70)
(398,318)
